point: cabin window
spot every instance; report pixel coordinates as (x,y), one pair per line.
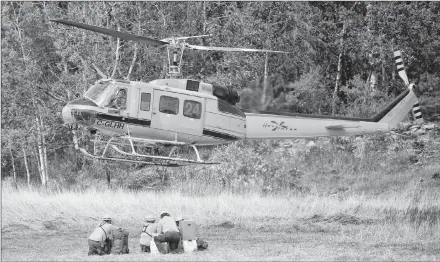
(192,85)
(192,109)
(169,105)
(227,108)
(145,101)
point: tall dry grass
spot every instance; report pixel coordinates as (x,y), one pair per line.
(375,196)
(413,213)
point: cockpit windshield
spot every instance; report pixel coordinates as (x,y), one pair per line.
(100,92)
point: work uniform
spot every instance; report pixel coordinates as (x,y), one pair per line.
(169,233)
(148,230)
(99,240)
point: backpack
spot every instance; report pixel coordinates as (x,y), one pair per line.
(119,241)
(201,244)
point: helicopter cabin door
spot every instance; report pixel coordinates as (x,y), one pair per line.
(177,113)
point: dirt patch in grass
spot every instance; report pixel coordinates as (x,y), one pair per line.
(15,228)
(342,219)
(53,225)
(227,225)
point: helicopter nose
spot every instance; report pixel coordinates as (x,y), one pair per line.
(67,115)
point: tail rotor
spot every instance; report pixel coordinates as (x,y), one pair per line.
(416,113)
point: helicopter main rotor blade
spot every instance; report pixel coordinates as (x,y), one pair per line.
(184,37)
(232,49)
(126,36)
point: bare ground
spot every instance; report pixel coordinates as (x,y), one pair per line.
(316,238)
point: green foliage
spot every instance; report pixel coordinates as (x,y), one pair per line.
(43,64)
(307,95)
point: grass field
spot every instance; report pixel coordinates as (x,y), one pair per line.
(399,223)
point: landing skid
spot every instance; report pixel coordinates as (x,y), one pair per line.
(149,159)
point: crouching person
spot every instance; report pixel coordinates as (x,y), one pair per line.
(168,233)
(100,239)
(149,228)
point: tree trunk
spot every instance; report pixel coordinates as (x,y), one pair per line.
(107,173)
(265,97)
(40,154)
(28,175)
(118,46)
(338,74)
(133,61)
(204,20)
(14,172)
(372,83)
(43,140)
(38,160)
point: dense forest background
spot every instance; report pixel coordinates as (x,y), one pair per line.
(340,62)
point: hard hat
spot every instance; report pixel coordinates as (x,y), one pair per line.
(150,218)
(179,218)
(106,218)
(164,212)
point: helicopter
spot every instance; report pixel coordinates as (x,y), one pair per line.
(177,112)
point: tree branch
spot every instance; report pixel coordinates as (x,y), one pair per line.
(118,46)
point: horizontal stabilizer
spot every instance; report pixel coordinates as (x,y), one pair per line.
(336,127)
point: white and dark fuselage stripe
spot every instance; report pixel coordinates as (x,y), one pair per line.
(219,135)
(127,120)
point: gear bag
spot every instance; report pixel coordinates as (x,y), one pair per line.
(201,244)
(119,241)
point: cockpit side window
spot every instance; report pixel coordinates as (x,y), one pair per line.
(119,100)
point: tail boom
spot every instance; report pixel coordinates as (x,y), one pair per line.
(273,125)
(270,126)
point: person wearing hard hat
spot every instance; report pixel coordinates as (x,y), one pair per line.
(168,233)
(148,230)
(99,240)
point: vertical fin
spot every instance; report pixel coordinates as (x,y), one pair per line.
(416,113)
(398,111)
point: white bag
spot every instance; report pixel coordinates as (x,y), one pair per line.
(153,247)
(145,239)
(189,245)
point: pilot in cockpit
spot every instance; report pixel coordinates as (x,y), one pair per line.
(120,100)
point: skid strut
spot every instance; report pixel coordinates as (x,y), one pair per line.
(135,157)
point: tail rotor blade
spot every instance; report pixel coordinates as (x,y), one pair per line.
(417,114)
(400,66)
